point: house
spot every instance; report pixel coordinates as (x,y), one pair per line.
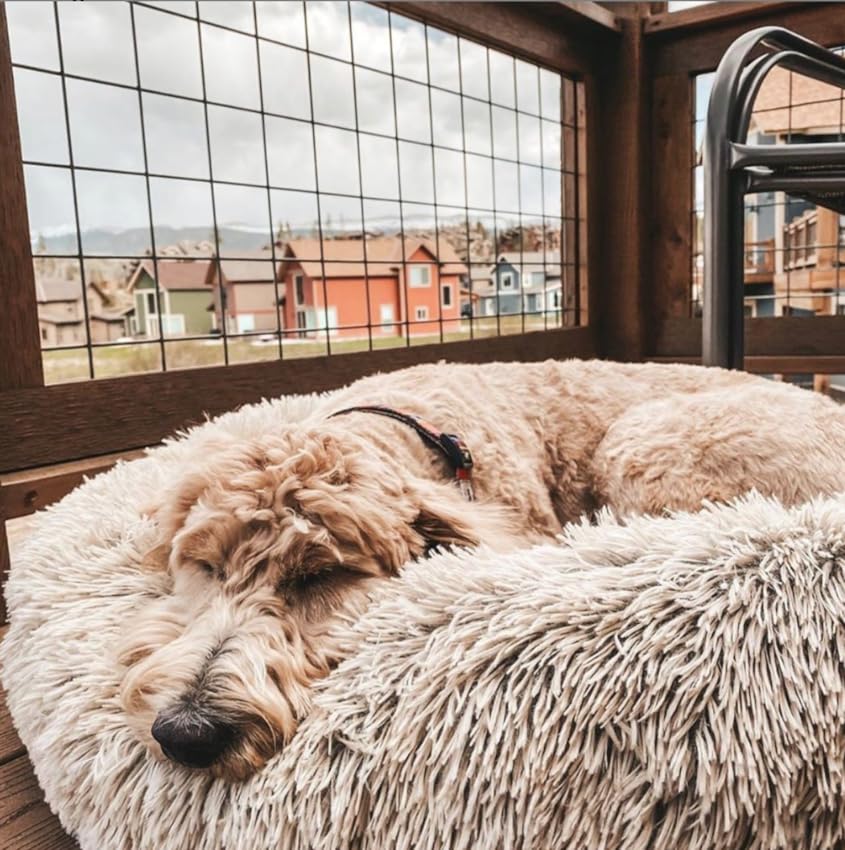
(252,297)
(412,282)
(522,281)
(61,317)
(61,313)
(477,284)
(109,318)
(791,246)
(187,292)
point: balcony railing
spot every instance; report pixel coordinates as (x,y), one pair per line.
(760,261)
(814,240)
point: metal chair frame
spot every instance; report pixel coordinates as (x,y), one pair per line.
(733,168)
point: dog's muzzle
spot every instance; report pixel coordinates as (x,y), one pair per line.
(191,738)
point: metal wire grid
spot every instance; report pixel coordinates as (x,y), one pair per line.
(779,257)
(569,262)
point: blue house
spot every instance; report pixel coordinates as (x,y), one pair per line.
(522,281)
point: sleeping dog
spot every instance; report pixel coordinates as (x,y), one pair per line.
(270,542)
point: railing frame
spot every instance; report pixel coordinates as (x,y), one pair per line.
(636,64)
(52,424)
(679,46)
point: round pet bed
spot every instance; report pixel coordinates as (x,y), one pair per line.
(662,684)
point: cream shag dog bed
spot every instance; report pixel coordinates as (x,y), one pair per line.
(669,683)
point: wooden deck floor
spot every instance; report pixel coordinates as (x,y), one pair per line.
(26,822)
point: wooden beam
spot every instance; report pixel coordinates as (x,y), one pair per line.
(20,339)
(783,336)
(692,52)
(672,198)
(529,30)
(620,159)
(709,14)
(23,493)
(70,421)
(584,11)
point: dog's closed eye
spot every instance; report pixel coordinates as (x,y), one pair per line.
(311,583)
(209,569)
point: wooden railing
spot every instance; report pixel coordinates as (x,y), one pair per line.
(814,240)
(760,261)
(71,427)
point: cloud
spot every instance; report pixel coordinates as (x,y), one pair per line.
(174,49)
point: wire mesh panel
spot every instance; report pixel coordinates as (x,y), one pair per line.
(794,251)
(220,182)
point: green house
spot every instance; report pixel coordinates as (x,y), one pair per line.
(186,292)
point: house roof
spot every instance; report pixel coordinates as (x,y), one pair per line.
(257,269)
(348,254)
(57,318)
(113,314)
(530,258)
(50,289)
(533,261)
(176,274)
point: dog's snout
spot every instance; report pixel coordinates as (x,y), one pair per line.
(192,739)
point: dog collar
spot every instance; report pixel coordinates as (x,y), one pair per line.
(451,446)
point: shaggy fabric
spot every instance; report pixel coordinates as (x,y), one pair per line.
(661,684)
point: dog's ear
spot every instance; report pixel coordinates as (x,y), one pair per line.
(445,518)
(156,559)
(169,514)
(441,525)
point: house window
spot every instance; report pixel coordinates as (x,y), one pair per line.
(537,278)
(422,313)
(419,276)
(43,334)
(173,324)
(507,281)
(299,287)
(245,323)
(301,323)
(447,295)
(150,302)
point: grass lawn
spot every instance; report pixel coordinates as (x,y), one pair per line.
(134,358)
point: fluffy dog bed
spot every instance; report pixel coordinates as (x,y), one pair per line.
(667,683)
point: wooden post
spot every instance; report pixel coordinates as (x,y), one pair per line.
(621,159)
(4,569)
(671,226)
(20,340)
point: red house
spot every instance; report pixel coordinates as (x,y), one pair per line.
(414,284)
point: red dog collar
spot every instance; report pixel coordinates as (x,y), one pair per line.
(451,446)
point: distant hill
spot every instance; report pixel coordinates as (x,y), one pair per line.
(136,241)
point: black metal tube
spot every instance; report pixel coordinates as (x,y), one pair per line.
(726,182)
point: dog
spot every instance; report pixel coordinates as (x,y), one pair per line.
(269,544)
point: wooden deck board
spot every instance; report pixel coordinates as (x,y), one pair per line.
(10,744)
(26,822)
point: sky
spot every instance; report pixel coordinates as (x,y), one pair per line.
(173,51)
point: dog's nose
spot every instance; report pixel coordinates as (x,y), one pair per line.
(191,739)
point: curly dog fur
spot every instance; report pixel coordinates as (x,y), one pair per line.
(271,541)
